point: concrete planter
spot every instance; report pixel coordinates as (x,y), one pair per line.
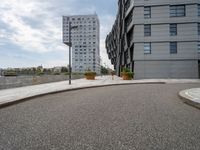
(127,75)
(90,77)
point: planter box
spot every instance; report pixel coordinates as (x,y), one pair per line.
(126,76)
(90,77)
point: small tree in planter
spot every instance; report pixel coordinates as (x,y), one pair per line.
(90,75)
(127,74)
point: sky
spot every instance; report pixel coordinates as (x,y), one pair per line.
(31,30)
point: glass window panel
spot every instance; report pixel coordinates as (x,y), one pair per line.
(173,47)
(147,30)
(147,12)
(198,10)
(177,11)
(198,47)
(198,28)
(147,48)
(173,29)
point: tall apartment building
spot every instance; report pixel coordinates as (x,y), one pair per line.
(156,38)
(85,42)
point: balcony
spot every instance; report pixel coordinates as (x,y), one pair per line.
(128,20)
(127,5)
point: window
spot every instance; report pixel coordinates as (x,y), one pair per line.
(147,12)
(147,30)
(147,48)
(198,10)
(173,29)
(198,45)
(177,11)
(198,28)
(173,47)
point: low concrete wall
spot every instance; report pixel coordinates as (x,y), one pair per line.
(19,81)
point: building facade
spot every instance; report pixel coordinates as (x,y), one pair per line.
(85,42)
(156,38)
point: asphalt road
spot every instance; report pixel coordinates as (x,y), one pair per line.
(131,117)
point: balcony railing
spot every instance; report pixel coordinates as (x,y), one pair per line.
(128,19)
(127,5)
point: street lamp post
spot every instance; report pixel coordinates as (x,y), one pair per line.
(70,45)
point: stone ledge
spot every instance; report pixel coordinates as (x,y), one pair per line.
(191,97)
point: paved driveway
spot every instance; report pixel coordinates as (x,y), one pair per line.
(130,117)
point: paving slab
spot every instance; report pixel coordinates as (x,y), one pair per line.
(10,96)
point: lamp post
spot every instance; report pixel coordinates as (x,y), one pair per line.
(70,45)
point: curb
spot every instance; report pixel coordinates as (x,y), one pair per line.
(188,100)
(9,103)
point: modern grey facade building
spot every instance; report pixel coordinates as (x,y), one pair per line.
(85,42)
(156,38)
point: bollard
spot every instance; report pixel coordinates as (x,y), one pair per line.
(112,73)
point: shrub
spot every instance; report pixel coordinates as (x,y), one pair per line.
(66,73)
(10,73)
(56,73)
(39,73)
(127,73)
(78,73)
(126,70)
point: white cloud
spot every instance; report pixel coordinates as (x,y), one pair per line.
(44,39)
(36,25)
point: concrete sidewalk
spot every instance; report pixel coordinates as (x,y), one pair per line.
(10,96)
(191,97)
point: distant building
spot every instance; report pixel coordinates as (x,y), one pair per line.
(85,42)
(156,38)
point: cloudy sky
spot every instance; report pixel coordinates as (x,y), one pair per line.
(31,30)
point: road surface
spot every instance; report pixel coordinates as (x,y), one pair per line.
(128,117)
